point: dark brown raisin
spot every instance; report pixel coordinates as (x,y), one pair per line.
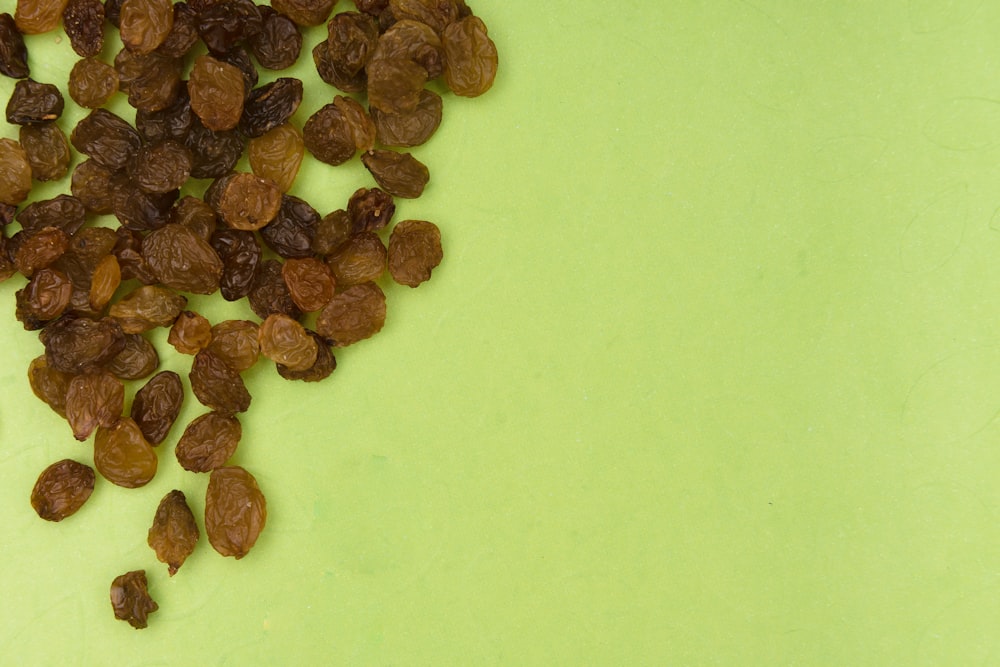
(83,21)
(350,43)
(63,212)
(122,455)
(399,174)
(13,53)
(151,81)
(338,130)
(358,260)
(62,489)
(161,167)
(34,102)
(40,250)
(172,122)
(130,598)
(325,364)
(217,386)
(139,210)
(235,511)
(137,360)
(305,12)
(215,153)
(174,532)
(196,215)
(355,314)
(128,251)
(227,23)
(43,299)
(410,128)
(182,260)
(184,33)
(291,232)
(279,42)
(47,150)
(370,209)
(157,404)
(240,58)
(269,293)
(92,82)
(327,70)
(208,442)
(332,230)
(240,254)
(105,138)
(270,105)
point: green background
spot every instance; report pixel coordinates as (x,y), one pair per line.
(708,376)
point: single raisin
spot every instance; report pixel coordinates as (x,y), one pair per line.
(208,442)
(83,21)
(33,102)
(104,283)
(332,230)
(34,17)
(174,532)
(412,40)
(145,24)
(410,128)
(305,12)
(235,511)
(369,210)
(279,42)
(338,130)
(470,57)
(63,212)
(130,598)
(47,150)
(395,85)
(146,308)
(172,122)
(310,283)
(240,254)
(360,259)
(270,105)
(157,404)
(92,82)
(62,489)
(227,23)
(182,260)
(139,210)
(350,43)
(353,315)
(285,341)
(152,81)
(40,250)
(184,33)
(399,174)
(277,154)
(128,251)
(190,333)
(269,293)
(291,232)
(216,90)
(15,173)
(122,455)
(79,344)
(236,343)
(325,364)
(105,138)
(215,153)
(49,384)
(13,53)
(94,399)
(249,202)
(218,386)
(137,359)
(161,167)
(43,299)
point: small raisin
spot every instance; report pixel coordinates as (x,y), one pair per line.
(62,489)
(130,598)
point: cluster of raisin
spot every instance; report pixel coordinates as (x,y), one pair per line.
(93,291)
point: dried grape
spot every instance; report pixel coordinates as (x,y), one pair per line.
(145,24)
(190,333)
(285,341)
(358,260)
(47,150)
(235,511)
(62,489)
(236,343)
(218,386)
(37,16)
(353,315)
(414,250)
(93,399)
(277,154)
(83,21)
(174,532)
(399,174)
(13,53)
(122,455)
(15,173)
(156,406)
(92,83)
(33,102)
(216,90)
(130,598)
(310,282)
(208,442)
(182,260)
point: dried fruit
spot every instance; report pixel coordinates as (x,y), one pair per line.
(37,16)
(470,57)
(305,12)
(156,406)
(40,250)
(338,130)
(249,202)
(122,455)
(15,173)
(369,210)
(277,154)
(105,138)
(49,384)
(63,212)
(62,489)
(360,259)
(13,54)
(136,360)
(182,260)
(146,308)
(399,174)
(130,598)
(355,314)
(291,232)
(269,294)
(92,83)
(83,21)
(43,299)
(93,399)
(216,90)
(235,511)
(325,364)
(79,344)
(414,250)
(409,128)
(91,185)
(47,150)
(174,532)
(279,42)
(235,342)
(240,254)
(161,166)
(104,283)
(310,282)
(33,102)
(285,341)
(208,442)
(145,24)
(190,334)
(218,386)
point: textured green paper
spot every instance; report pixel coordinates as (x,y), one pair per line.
(709,374)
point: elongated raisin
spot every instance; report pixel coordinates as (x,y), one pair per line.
(130,598)
(122,455)
(62,212)
(217,386)
(15,173)
(104,283)
(399,174)
(216,90)
(49,384)
(174,532)
(414,250)
(83,21)
(105,138)
(240,254)
(47,150)
(62,489)
(208,442)
(13,53)
(94,399)
(182,260)
(270,105)
(157,404)
(79,344)
(146,308)
(235,511)
(470,57)
(291,232)
(277,154)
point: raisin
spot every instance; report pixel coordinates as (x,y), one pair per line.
(34,17)
(130,598)
(49,384)
(184,33)
(161,167)
(470,57)
(216,90)
(145,24)
(414,250)
(139,210)
(146,308)
(249,202)
(88,249)
(325,364)
(373,7)
(93,399)
(40,250)
(338,130)
(410,128)
(305,12)
(43,299)
(355,314)
(105,138)
(33,102)
(151,81)
(47,150)
(79,344)
(326,67)
(332,230)
(156,406)
(235,511)
(215,153)
(236,343)
(310,283)
(269,293)
(63,212)
(195,215)
(83,21)
(240,254)
(137,359)
(277,154)
(208,442)
(285,341)
(240,58)
(171,122)
(190,333)
(106,278)
(395,85)
(92,83)
(122,455)
(279,42)
(174,532)
(128,251)
(414,41)
(369,210)
(360,259)
(62,489)
(291,232)
(182,260)
(270,105)
(225,24)
(350,43)
(399,174)
(217,386)
(15,172)
(13,53)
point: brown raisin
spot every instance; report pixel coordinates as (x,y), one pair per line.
(145,24)
(184,33)
(33,102)
(208,442)
(360,259)
(190,333)
(62,489)
(338,130)
(139,210)
(285,341)
(49,384)
(414,250)
(104,283)
(412,40)
(63,212)
(15,172)
(395,85)
(105,138)
(240,254)
(93,399)
(370,209)
(92,83)
(291,232)
(350,43)
(225,24)
(399,174)
(171,122)
(47,150)
(269,293)
(310,283)
(249,202)
(182,260)
(79,344)
(13,53)
(122,455)
(218,386)
(279,42)
(157,404)
(146,308)
(270,105)
(325,364)
(410,128)
(130,598)
(470,57)
(40,250)
(305,12)
(236,343)
(196,215)
(216,90)
(83,21)
(34,17)
(137,359)
(128,251)
(277,154)
(43,299)
(152,81)
(161,167)
(355,314)
(332,230)
(174,532)
(215,153)
(235,511)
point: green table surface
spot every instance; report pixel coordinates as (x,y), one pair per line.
(710,373)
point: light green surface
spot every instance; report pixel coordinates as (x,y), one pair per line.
(709,375)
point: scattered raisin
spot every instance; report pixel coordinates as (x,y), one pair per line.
(355,314)
(236,343)
(338,130)
(285,341)
(182,260)
(146,308)
(218,386)
(79,344)
(83,21)
(130,598)
(92,82)
(277,154)
(216,90)
(399,174)
(235,511)
(49,384)
(370,209)
(279,42)
(93,399)
(161,166)
(249,202)
(208,442)
(62,489)
(190,333)
(174,532)
(34,17)
(13,53)
(305,12)
(137,359)
(47,150)
(33,102)
(360,259)
(409,128)
(414,250)
(470,57)
(15,172)
(122,455)
(145,24)
(105,138)
(43,299)
(310,283)
(240,254)
(157,404)
(291,232)
(325,364)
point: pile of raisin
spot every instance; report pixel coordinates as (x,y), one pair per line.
(114,256)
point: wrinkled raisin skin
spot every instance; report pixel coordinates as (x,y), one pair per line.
(130,598)
(174,532)
(235,511)
(62,489)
